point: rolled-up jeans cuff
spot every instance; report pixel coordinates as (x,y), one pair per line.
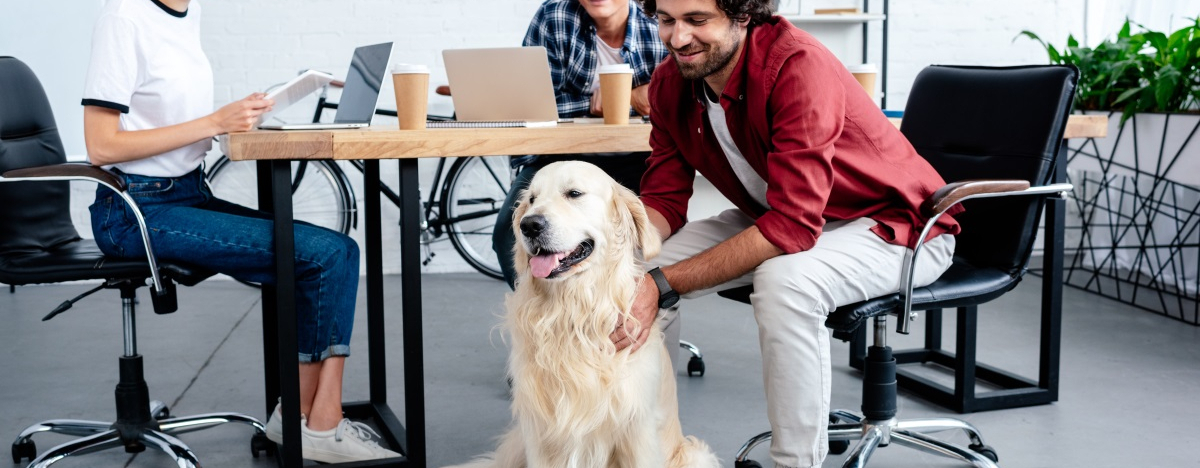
(332,351)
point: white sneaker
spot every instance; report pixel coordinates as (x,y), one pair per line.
(275,425)
(349,441)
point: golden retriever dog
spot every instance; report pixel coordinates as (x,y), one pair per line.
(577,402)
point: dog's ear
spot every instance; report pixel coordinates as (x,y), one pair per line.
(520,257)
(643,230)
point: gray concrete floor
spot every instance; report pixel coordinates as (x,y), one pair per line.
(1128,394)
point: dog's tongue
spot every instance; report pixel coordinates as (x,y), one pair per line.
(541,265)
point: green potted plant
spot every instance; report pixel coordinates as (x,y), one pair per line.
(1144,72)
(1134,216)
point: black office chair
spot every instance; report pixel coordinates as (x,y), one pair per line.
(39,244)
(991,133)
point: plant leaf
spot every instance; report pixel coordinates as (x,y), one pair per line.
(1149,70)
(1166,88)
(1126,95)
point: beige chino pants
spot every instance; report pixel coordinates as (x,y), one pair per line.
(792,296)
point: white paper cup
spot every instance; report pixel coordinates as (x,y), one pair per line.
(411,82)
(616,87)
(865,74)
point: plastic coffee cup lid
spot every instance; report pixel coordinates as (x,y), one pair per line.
(862,68)
(615,68)
(409,68)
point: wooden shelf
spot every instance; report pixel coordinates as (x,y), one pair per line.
(845,19)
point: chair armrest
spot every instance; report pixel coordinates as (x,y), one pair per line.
(944,199)
(952,194)
(68,171)
(162,292)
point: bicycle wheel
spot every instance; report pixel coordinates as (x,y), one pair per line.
(323,197)
(474,191)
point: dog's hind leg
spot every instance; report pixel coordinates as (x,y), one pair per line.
(509,454)
(693,453)
(642,448)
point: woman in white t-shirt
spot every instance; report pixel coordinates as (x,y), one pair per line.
(148,118)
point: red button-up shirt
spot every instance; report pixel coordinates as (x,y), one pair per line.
(805,125)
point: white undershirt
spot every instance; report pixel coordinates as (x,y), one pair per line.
(148,64)
(607,56)
(754,183)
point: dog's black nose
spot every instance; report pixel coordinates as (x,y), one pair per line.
(533,225)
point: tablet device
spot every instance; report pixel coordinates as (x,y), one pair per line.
(360,94)
(293,91)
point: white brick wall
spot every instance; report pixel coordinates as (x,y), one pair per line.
(249,52)
(253,44)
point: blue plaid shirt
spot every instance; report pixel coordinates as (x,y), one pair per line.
(564,28)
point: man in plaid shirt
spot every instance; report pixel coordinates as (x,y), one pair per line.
(579,37)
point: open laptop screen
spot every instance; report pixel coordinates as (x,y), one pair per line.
(501,84)
(359,97)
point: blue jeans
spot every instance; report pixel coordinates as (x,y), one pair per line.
(189,225)
(626,168)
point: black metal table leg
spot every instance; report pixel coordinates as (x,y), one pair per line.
(410,286)
(279,321)
(279,306)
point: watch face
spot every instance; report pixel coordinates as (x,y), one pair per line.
(668,301)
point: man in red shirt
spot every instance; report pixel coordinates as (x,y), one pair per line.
(827,194)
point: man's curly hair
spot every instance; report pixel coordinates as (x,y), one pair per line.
(756,10)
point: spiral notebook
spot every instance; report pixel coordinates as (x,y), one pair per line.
(499,87)
(489,124)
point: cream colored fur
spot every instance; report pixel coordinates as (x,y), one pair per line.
(577,403)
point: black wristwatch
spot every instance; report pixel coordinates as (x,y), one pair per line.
(667,297)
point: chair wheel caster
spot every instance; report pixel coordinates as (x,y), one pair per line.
(837,447)
(25,449)
(695,367)
(164,413)
(986,451)
(261,444)
(746,464)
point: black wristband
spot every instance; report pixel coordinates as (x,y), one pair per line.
(667,297)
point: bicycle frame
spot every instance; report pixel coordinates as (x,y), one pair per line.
(436,223)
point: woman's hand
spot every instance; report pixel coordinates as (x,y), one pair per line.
(108,144)
(242,115)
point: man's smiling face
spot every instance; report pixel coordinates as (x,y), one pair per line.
(699,35)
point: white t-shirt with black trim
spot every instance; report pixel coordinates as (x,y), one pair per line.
(147,63)
(754,183)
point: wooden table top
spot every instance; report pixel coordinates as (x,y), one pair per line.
(388,142)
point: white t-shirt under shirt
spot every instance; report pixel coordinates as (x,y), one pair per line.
(147,63)
(754,183)
(606,56)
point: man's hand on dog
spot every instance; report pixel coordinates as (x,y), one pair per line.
(645,310)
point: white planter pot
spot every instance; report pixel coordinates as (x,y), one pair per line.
(1140,147)
(1136,207)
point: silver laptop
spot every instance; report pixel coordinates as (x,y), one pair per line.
(356,106)
(501,85)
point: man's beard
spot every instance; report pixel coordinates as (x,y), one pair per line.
(717,59)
